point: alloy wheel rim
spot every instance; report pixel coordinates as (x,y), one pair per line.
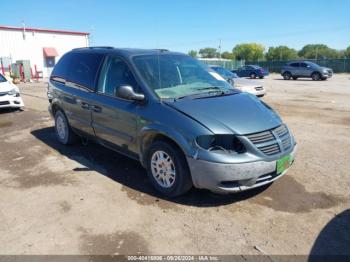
(60,127)
(163,169)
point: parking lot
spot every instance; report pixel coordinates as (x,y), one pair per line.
(85,199)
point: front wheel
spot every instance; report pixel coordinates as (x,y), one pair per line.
(64,133)
(167,169)
(253,75)
(316,76)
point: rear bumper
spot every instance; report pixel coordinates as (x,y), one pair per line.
(230,178)
(10,101)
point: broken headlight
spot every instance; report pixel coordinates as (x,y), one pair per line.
(228,143)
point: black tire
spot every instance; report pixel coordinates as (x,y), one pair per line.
(252,75)
(182,180)
(287,76)
(261,77)
(69,136)
(295,78)
(316,76)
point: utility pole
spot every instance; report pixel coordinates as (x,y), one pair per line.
(24,30)
(220,48)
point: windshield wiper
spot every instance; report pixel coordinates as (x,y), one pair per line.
(210,87)
(215,91)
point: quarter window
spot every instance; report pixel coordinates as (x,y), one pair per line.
(83,69)
(115,73)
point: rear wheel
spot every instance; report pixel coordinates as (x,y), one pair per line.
(316,76)
(64,133)
(167,169)
(287,76)
(252,75)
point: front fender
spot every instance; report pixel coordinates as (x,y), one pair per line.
(147,133)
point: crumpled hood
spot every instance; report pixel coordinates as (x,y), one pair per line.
(6,87)
(240,113)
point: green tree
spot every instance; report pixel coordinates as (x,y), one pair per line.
(347,52)
(228,55)
(208,52)
(317,51)
(281,53)
(192,53)
(249,51)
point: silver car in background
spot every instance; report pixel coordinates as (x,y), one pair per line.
(305,69)
(243,84)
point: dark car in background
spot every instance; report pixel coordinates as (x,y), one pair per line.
(305,69)
(252,71)
(184,123)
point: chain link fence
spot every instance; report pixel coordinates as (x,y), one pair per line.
(228,64)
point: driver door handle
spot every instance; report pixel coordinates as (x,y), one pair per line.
(96,109)
(85,105)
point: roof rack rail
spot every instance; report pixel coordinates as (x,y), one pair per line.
(94,47)
(105,47)
(161,49)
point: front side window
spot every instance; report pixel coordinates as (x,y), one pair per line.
(294,64)
(115,74)
(175,76)
(83,69)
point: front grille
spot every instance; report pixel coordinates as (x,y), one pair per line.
(258,88)
(272,141)
(330,72)
(2,103)
(270,149)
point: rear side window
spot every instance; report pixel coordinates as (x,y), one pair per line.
(61,67)
(83,69)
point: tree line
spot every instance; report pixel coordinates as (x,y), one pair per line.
(256,52)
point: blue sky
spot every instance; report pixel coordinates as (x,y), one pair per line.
(190,24)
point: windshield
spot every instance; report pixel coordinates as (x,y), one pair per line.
(312,64)
(176,76)
(2,79)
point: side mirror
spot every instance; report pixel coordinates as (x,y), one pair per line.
(128,93)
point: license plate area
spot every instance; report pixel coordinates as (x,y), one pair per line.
(283,164)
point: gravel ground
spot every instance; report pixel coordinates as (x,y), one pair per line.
(85,199)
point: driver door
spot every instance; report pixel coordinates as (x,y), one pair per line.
(114,119)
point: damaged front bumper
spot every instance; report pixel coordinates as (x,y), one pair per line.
(235,177)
